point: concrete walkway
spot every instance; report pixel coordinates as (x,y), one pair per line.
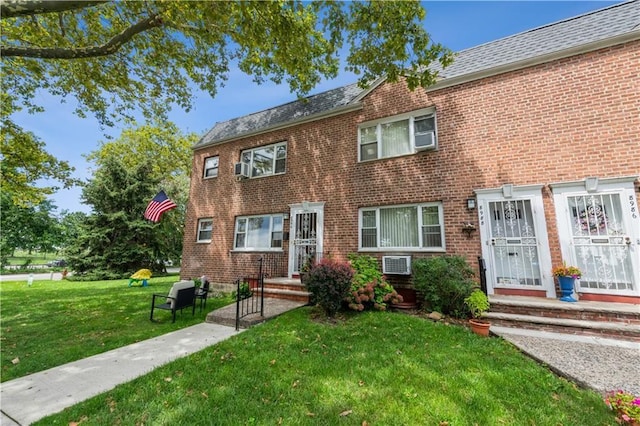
(596,363)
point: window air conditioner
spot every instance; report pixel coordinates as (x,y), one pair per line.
(396,265)
(241,170)
(425,141)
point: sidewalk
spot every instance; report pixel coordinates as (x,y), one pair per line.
(28,399)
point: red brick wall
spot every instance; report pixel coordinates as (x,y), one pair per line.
(561,121)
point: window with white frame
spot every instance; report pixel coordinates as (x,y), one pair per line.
(258,232)
(205,227)
(405,227)
(399,135)
(266,160)
(211,167)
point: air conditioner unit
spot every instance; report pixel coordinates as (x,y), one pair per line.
(396,265)
(425,141)
(241,170)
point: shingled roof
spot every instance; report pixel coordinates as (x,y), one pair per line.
(524,48)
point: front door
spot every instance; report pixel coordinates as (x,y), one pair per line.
(599,234)
(515,247)
(306,229)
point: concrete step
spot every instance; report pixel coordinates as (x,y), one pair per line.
(605,329)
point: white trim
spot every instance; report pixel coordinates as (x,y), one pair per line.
(200,220)
(204,167)
(252,249)
(306,206)
(579,185)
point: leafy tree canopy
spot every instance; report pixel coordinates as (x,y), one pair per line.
(117,58)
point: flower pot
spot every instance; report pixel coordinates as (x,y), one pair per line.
(566,287)
(479,327)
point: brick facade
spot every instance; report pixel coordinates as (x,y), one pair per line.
(559,121)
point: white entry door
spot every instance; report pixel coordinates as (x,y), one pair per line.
(515,244)
(599,233)
(306,235)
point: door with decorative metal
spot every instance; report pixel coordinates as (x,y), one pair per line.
(513,244)
(601,243)
(306,231)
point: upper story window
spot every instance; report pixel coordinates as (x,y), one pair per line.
(406,227)
(399,135)
(211,166)
(258,232)
(266,160)
(205,227)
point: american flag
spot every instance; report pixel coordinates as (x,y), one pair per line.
(160,204)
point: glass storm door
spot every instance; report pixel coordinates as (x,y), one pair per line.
(305,243)
(601,243)
(513,243)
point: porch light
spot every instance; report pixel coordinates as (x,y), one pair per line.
(471,203)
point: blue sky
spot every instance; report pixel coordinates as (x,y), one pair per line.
(456,24)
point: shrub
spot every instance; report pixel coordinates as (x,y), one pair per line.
(244,293)
(329,283)
(369,288)
(444,281)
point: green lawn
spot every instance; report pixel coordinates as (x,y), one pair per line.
(376,368)
(55,322)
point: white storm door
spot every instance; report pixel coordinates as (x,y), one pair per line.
(515,243)
(599,233)
(306,235)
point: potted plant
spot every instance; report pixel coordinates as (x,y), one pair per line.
(567,276)
(478,304)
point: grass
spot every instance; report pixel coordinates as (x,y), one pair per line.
(374,368)
(55,322)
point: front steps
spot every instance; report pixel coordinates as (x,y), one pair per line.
(286,289)
(601,319)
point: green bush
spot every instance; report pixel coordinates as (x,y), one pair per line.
(329,283)
(369,289)
(245,292)
(444,281)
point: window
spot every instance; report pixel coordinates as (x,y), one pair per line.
(205,226)
(266,160)
(258,232)
(409,227)
(399,135)
(211,167)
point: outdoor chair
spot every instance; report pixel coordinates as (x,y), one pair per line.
(203,292)
(181,295)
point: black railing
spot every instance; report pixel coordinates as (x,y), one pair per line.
(483,274)
(250,295)
(274,265)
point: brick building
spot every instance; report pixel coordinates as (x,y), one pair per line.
(526,153)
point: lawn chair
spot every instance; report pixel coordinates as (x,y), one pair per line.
(181,295)
(203,292)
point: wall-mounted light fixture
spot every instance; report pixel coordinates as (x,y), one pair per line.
(468,228)
(471,203)
(285,215)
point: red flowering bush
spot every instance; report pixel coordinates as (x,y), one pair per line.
(329,282)
(626,407)
(369,289)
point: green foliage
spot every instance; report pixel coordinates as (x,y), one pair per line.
(244,293)
(444,281)
(369,289)
(329,282)
(477,302)
(115,59)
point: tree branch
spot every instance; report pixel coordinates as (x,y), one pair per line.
(109,48)
(13,8)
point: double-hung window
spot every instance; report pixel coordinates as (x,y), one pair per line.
(266,160)
(211,166)
(399,135)
(405,227)
(258,232)
(205,227)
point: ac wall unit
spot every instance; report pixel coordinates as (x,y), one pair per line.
(425,141)
(241,170)
(396,265)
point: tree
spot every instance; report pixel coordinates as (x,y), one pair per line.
(165,154)
(115,239)
(116,58)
